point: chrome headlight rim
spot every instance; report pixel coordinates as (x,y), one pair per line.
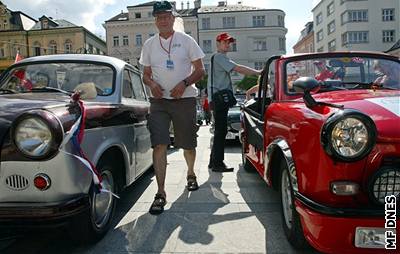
(380,172)
(331,123)
(52,123)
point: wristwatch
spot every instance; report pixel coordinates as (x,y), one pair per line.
(186,82)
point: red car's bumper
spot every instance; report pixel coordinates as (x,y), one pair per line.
(336,234)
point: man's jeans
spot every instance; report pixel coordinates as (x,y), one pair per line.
(220,130)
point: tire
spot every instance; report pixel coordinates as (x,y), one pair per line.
(92,225)
(247,166)
(290,218)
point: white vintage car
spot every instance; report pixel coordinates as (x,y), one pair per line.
(45,177)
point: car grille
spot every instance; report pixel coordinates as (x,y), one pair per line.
(385,182)
(17,182)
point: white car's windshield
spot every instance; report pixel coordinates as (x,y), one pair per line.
(63,76)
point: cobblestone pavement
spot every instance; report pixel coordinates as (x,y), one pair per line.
(230,213)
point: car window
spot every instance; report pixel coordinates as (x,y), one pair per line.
(65,76)
(127,90)
(137,86)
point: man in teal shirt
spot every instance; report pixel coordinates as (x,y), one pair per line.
(222,66)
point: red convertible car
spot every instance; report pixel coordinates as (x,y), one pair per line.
(330,144)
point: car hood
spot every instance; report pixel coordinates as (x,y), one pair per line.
(383,107)
(11,106)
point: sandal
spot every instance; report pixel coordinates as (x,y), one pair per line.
(192,183)
(158,204)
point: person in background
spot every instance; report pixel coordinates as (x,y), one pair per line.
(388,73)
(324,72)
(222,67)
(172,63)
(206,110)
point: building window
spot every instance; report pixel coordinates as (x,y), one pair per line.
(150,14)
(116,41)
(330,8)
(387,14)
(138,15)
(207,48)
(125,40)
(52,47)
(281,21)
(282,44)
(331,27)
(259,65)
(36,48)
(388,35)
(355,37)
(319,18)
(332,45)
(320,35)
(260,45)
(228,22)
(258,21)
(355,16)
(45,24)
(68,47)
(321,49)
(233,47)
(205,23)
(138,40)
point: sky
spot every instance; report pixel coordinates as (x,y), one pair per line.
(93,13)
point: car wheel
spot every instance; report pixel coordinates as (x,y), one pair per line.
(92,225)
(290,218)
(247,166)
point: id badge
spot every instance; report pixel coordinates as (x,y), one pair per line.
(170,64)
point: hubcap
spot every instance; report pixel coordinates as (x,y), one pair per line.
(103,201)
(286,199)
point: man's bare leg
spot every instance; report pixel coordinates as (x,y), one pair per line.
(160,166)
(190,157)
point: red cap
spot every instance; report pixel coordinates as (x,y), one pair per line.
(225,37)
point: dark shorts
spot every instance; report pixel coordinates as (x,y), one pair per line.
(182,113)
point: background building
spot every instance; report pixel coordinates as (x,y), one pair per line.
(395,49)
(30,37)
(305,44)
(126,32)
(356,24)
(259,33)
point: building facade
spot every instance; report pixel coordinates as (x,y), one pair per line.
(259,33)
(368,25)
(30,37)
(305,44)
(395,49)
(127,32)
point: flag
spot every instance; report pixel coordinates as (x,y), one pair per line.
(18,57)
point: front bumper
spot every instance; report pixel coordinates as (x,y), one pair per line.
(332,230)
(41,214)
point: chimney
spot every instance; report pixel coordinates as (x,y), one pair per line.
(182,4)
(188,3)
(197,4)
(173,5)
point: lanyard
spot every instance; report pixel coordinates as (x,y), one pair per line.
(169,47)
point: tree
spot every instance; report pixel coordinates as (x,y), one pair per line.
(247,82)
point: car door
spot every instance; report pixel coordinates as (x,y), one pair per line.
(142,134)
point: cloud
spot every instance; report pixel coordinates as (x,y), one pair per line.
(81,13)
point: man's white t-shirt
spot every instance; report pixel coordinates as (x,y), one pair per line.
(184,50)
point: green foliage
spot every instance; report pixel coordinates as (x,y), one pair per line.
(247,82)
(202,84)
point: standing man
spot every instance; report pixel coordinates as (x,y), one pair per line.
(222,67)
(172,63)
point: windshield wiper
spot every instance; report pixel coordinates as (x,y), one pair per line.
(6,90)
(50,89)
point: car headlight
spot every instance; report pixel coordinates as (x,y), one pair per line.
(348,135)
(37,134)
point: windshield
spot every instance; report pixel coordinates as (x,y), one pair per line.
(338,73)
(65,76)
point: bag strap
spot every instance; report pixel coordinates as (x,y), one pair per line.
(212,74)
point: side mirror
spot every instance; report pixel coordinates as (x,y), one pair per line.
(306,85)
